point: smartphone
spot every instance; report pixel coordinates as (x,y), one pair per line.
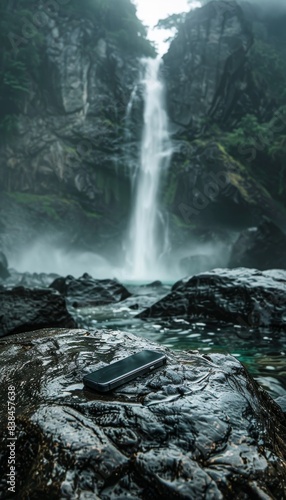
(109,377)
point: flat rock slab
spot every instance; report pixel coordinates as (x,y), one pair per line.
(87,291)
(197,428)
(241,296)
(23,309)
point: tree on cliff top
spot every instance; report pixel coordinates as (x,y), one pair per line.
(119,20)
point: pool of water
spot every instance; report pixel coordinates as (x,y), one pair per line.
(262,351)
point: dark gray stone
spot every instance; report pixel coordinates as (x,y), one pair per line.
(87,291)
(206,68)
(263,247)
(24,309)
(198,428)
(241,296)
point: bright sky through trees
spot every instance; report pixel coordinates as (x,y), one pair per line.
(150,11)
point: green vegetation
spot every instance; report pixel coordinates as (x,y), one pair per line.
(262,147)
(42,203)
(51,206)
(118,21)
(259,140)
(269,69)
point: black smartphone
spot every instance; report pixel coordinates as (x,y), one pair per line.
(118,373)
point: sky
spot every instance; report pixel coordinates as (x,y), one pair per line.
(150,11)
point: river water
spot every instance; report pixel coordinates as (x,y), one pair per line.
(262,351)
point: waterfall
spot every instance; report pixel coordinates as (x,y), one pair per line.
(148,233)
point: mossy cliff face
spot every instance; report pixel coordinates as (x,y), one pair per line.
(209,188)
(224,172)
(69,141)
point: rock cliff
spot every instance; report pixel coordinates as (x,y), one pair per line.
(220,171)
(69,144)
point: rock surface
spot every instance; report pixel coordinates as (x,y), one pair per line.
(198,428)
(24,309)
(209,190)
(206,66)
(263,247)
(87,291)
(241,296)
(4,273)
(68,156)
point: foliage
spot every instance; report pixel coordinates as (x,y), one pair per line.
(262,146)
(172,21)
(269,69)
(118,20)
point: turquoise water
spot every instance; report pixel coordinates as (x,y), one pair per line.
(262,351)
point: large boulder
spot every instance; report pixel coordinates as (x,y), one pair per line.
(24,309)
(87,291)
(263,247)
(241,296)
(197,428)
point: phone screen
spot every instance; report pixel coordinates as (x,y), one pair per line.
(124,366)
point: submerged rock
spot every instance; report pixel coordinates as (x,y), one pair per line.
(241,296)
(263,247)
(87,291)
(23,310)
(199,427)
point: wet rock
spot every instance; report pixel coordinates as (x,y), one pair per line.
(242,296)
(263,247)
(281,401)
(87,82)
(206,66)
(24,309)
(87,291)
(4,273)
(199,427)
(154,284)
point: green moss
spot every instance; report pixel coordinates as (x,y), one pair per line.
(222,149)
(180,223)
(93,215)
(45,203)
(169,195)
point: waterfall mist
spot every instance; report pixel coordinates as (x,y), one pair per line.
(44,256)
(148,233)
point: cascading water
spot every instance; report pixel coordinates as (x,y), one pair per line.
(148,230)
